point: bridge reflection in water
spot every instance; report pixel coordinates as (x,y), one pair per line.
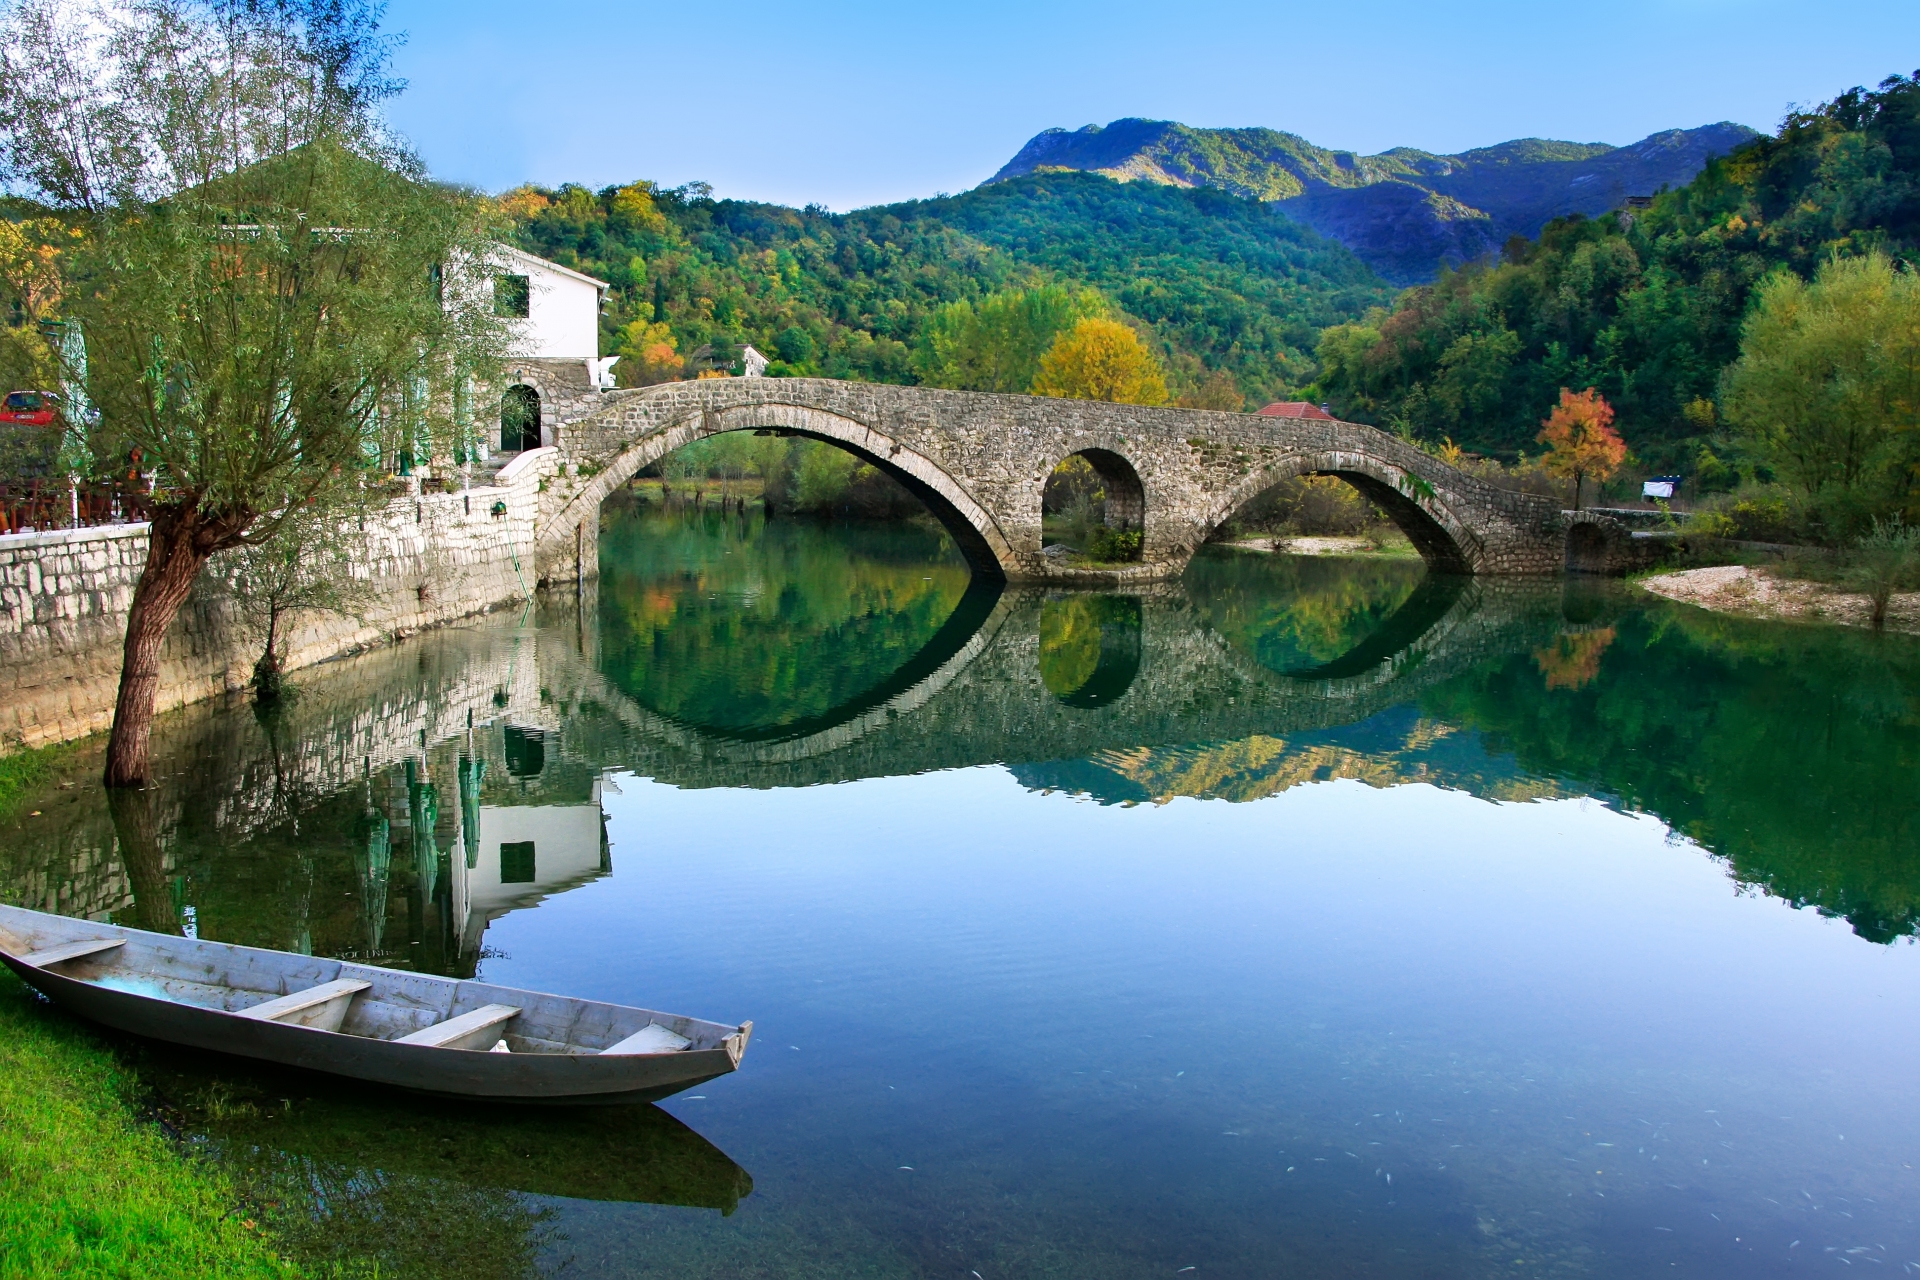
(413,795)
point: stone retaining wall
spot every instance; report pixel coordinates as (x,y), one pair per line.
(431,558)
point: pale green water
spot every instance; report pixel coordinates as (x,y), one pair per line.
(1302,918)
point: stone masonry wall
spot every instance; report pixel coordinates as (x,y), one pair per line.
(432,558)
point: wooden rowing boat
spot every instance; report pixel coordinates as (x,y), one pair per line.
(412,1030)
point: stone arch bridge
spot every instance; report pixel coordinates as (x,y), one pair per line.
(980,462)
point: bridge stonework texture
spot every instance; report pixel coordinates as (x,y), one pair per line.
(981,462)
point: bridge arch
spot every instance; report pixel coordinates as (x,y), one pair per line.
(1445,541)
(980,538)
(1124,507)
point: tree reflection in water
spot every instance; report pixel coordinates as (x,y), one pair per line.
(1089,647)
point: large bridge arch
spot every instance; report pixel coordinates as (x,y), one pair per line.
(1444,540)
(979,537)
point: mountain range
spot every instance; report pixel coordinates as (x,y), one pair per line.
(1405,212)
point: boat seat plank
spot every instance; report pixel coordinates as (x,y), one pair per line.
(290,1008)
(468,1025)
(652,1038)
(71,951)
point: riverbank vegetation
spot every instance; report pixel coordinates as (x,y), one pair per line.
(87,1186)
(1783,270)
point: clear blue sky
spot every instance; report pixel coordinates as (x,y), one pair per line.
(851,102)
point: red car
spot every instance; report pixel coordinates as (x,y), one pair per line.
(30,408)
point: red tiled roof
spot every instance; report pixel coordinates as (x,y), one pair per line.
(1294,409)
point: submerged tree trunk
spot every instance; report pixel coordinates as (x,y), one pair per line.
(266,672)
(181,542)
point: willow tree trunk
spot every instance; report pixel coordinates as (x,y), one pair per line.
(181,542)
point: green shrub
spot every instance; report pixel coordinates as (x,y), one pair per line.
(1114,545)
(1885,559)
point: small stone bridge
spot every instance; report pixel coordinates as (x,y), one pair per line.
(980,462)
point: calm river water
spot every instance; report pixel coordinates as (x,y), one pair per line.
(1300,918)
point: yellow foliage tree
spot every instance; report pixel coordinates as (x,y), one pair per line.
(1100,359)
(523,203)
(647,354)
(635,203)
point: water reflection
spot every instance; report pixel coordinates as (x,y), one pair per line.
(417,806)
(415,796)
(1089,647)
(756,630)
(375,1183)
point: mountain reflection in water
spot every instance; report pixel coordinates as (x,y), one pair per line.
(412,798)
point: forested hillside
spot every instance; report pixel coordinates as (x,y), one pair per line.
(1647,306)
(1215,282)
(1406,212)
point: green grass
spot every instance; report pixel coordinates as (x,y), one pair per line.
(86,1187)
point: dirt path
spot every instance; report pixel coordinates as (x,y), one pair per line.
(1757,593)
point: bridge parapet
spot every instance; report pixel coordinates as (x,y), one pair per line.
(981,462)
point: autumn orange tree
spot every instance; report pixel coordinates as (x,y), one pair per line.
(1580,439)
(1101,359)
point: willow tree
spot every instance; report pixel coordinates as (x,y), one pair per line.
(274,297)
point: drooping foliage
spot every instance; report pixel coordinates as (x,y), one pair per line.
(264,280)
(1647,306)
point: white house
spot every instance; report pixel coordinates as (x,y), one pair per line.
(555,312)
(555,372)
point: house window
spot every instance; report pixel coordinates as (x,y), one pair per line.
(512,296)
(516,862)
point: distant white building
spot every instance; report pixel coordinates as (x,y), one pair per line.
(753,363)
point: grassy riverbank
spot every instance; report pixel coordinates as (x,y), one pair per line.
(87,1188)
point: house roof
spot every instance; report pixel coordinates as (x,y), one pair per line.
(528,259)
(1295,409)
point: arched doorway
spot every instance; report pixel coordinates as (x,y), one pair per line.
(1094,505)
(519,419)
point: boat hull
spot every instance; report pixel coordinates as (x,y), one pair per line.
(580,1076)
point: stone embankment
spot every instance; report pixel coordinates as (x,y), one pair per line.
(431,558)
